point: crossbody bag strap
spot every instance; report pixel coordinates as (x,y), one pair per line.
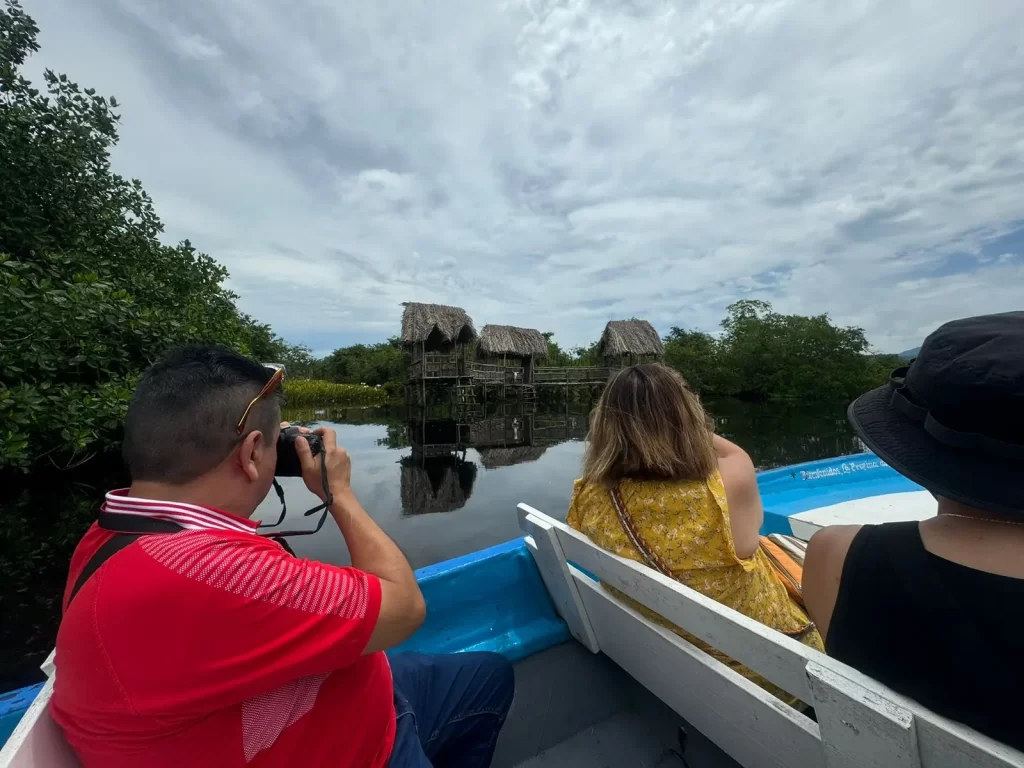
(652,560)
(650,556)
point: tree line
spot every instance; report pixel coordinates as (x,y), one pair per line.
(759,354)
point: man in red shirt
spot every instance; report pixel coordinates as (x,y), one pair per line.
(188,639)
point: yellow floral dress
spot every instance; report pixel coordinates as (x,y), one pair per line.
(687,525)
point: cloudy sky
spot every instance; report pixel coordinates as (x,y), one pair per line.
(560,164)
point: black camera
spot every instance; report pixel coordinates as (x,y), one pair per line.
(287,458)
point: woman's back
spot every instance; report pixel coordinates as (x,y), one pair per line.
(947,635)
(686,524)
(652,445)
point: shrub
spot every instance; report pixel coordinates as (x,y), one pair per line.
(310,392)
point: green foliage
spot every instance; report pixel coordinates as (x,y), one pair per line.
(764,354)
(375,364)
(89,296)
(576,357)
(308,392)
(697,356)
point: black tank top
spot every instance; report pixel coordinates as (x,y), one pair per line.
(947,636)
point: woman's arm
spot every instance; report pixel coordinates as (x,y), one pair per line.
(823,570)
(740,479)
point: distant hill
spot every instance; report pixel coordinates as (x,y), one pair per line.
(909,354)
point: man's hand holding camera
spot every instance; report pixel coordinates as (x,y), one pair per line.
(337,463)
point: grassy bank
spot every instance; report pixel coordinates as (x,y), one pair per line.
(309,392)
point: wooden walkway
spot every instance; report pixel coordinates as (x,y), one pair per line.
(572,375)
(441,367)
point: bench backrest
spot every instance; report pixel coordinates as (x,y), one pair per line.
(861,723)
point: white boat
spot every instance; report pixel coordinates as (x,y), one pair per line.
(599,685)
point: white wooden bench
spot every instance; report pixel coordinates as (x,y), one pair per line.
(861,723)
(37,741)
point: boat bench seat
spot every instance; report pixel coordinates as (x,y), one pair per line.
(860,722)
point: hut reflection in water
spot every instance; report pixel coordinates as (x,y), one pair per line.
(436,483)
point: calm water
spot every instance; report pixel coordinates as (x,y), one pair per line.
(441,484)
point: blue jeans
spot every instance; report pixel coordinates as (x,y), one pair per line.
(449,708)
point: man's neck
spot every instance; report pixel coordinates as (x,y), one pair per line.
(203,492)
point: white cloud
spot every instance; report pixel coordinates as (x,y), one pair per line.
(559,164)
(196,47)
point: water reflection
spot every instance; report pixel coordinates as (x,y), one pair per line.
(438,475)
(436,483)
(496,458)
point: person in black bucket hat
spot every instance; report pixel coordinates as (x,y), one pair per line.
(953,420)
(934,609)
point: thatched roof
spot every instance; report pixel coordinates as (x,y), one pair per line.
(492,458)
(509,340)
(419,321)
(436,484)
(624,337)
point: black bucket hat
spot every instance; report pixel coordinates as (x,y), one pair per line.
(953,420)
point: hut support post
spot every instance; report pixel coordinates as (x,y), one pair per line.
(423,370)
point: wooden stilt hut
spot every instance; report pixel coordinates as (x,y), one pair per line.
(628,342)
(516,349)
(436,337)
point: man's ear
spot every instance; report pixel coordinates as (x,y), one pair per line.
(250,454)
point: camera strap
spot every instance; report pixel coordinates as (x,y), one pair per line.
(324,507)
(128,529)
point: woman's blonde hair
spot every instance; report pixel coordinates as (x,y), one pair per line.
(648,425)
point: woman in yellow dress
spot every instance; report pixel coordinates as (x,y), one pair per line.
(691,498)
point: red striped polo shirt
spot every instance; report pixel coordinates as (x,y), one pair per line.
(214,647)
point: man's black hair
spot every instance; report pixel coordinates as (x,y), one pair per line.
(182,418)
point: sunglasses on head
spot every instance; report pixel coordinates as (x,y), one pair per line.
(268,389)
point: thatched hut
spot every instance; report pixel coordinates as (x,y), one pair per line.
(493,458)
(507,345)
(436,336)
(626,342)
(436,483)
